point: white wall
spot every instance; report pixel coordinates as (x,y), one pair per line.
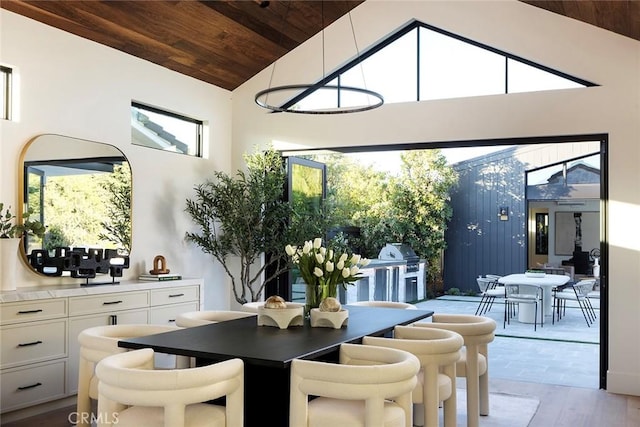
(74,87)
(77,88)
(611,60)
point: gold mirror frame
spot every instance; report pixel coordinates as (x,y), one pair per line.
(51,153)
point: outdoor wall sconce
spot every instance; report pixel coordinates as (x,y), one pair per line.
(503,213)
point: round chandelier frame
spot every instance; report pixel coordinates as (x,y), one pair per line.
(261,98)
(338,110)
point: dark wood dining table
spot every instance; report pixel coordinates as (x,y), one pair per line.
(267,351)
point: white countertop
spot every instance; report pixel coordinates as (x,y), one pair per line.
(73,290)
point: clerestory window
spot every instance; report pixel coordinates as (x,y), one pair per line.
(421,62)
(156,128)
(5,92)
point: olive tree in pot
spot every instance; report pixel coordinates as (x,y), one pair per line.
(244,216)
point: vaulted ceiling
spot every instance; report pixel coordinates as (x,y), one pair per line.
(225,43)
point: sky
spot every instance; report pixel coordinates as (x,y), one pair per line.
(389,161)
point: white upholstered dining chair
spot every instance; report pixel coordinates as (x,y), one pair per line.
(438,351)
(477,332)
(99,342)
(389,304)
(204,317)
(132,394)
(371,386)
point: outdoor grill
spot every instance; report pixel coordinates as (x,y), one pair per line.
(401,252)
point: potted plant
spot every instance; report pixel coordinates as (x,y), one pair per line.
(10,228)
(244,216)
(11,233)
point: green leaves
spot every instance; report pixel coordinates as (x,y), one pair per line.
(244,215)
(11,228)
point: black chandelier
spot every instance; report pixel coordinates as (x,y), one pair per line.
(303,90)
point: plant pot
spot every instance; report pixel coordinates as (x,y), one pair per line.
(8,263)
(329,319)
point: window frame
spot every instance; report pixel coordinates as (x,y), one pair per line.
(6,81)
(199,149)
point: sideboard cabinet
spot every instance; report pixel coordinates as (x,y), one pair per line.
(39,329)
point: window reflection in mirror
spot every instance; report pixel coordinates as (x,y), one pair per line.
(80,190)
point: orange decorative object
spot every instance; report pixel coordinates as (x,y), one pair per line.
(159,265)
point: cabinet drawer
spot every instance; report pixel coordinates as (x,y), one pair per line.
(107,302)
(33,342)
(80,323)
(175,295)
(29,386)
(167,315)
(15,312)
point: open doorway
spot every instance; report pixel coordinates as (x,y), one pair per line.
(521,218)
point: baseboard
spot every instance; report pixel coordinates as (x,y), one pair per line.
(21,414)
(623,383)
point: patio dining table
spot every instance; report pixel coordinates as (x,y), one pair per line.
(547,282)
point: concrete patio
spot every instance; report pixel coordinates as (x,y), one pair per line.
(564,353)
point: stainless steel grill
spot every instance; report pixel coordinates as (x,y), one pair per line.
(398,252)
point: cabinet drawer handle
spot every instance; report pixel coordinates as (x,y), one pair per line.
(27,344)
(112,302)
(172,320)
(176,295)
(30,311)
(27,387)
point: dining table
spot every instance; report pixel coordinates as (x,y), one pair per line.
(267,351)
(546,281)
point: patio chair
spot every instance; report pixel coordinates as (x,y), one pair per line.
(516,294)
(491,290)
(578,292)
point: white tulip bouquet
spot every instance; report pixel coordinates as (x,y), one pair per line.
(324,269)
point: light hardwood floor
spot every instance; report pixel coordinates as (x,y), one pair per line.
(560,406)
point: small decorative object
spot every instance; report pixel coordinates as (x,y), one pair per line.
(323,269)
(159,265)
(275,301)
(292,314)
(534,273)
(330,304)
(81,263)
(329,319)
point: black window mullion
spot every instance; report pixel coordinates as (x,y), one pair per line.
(506,75)
(417,64)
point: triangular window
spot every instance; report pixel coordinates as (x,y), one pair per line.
(421,63)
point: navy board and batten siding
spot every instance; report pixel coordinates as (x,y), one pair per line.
(478,242)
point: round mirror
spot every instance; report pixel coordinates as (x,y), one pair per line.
(81,191)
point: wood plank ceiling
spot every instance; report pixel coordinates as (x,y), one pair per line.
(225,43)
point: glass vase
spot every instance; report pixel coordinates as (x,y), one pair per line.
(316,293)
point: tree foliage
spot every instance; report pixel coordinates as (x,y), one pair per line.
(117,223)
(244,215)
(411,208)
